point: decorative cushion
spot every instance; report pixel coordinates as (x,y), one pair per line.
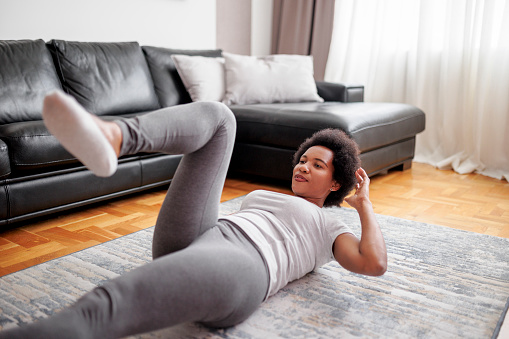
(270,79)
(203,77)
(27,74)
(106,78)
(168,85)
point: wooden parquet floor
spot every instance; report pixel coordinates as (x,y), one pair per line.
(469,202)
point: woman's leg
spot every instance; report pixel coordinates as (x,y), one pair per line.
(220,280)
(203,132)
(188,285)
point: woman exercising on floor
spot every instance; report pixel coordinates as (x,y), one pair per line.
(210,270)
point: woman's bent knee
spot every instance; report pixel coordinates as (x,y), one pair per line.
(220,111)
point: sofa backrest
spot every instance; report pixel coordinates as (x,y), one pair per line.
(106,78)
(167,82)
(27,74)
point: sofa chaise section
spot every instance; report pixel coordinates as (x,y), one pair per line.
(269,134)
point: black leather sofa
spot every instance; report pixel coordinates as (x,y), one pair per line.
(118,80)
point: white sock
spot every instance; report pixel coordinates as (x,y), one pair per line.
(77,131)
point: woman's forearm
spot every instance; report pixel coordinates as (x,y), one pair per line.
(367,255)
(372,244)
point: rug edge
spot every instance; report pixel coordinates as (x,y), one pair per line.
(502,328)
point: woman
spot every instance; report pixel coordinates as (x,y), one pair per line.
(212,271)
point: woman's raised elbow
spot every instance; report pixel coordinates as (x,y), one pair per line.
(376,268)
(379,268)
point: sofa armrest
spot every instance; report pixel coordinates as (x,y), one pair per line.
(5,165)
(333,91)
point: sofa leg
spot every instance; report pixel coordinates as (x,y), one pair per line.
(406,165)
(401,167)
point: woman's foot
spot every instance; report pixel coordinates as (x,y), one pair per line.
(96,143)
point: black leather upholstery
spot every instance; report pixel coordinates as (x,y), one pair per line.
(106,78)
(286,125)
(32,146)
(68,188)
(167,82)
(27,74)
(5,164)
(331,91)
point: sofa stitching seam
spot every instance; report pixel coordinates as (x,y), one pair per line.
(29,136)
(42,163)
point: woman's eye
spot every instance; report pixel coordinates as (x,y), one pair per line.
(318,166)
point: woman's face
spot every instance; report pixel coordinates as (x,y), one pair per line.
(312,176)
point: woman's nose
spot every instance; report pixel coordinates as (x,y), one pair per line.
(304,168)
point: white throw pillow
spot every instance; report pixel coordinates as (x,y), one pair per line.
(274,78)
(203,77)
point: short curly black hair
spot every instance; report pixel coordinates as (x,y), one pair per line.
(346,160)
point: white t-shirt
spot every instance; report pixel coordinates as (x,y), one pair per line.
(294,235)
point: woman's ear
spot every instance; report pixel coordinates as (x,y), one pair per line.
(335,186)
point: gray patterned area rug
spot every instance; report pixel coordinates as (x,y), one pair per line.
(441,283)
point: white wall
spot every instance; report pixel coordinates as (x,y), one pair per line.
(166,23)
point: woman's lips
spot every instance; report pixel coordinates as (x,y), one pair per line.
(299,178)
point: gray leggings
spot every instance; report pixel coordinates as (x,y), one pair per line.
(204,271)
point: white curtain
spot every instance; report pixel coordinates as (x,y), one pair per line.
(448,57)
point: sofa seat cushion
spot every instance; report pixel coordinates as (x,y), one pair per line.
(31,146)
(286,125)
(106,78)
(27,74)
